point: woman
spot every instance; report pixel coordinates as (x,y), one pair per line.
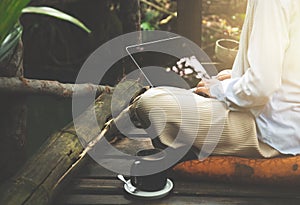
(259,105)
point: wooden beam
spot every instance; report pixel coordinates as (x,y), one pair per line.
(41,176)
(20,85)
(189,19)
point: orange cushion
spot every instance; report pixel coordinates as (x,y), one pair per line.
(283,170)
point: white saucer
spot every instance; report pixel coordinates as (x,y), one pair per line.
(151,194)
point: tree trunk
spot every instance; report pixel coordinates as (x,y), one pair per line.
(40,177)
(130,15)
(12,118)
(189,19)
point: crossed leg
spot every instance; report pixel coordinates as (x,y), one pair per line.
(179,117)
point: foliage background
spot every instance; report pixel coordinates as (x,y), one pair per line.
(221,19)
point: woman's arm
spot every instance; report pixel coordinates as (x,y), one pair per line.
(267,44)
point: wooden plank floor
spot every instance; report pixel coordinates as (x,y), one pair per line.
(96,185)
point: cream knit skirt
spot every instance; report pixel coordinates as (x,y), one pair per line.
(180,117)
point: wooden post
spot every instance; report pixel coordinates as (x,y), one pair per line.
(189,19)
(12,117)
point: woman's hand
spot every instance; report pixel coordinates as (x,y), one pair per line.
(203,89)
(224,74)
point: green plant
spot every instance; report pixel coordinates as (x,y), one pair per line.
(11,10)
(157,13)
(57,14)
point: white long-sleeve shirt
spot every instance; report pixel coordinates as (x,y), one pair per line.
(266,73)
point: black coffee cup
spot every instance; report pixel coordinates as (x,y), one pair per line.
(149,159)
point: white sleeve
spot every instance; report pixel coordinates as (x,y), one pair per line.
(267,44)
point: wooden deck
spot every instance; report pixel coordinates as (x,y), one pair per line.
(96,185)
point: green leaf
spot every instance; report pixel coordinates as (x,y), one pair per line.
(10,12)
(57,14)
(146,26)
